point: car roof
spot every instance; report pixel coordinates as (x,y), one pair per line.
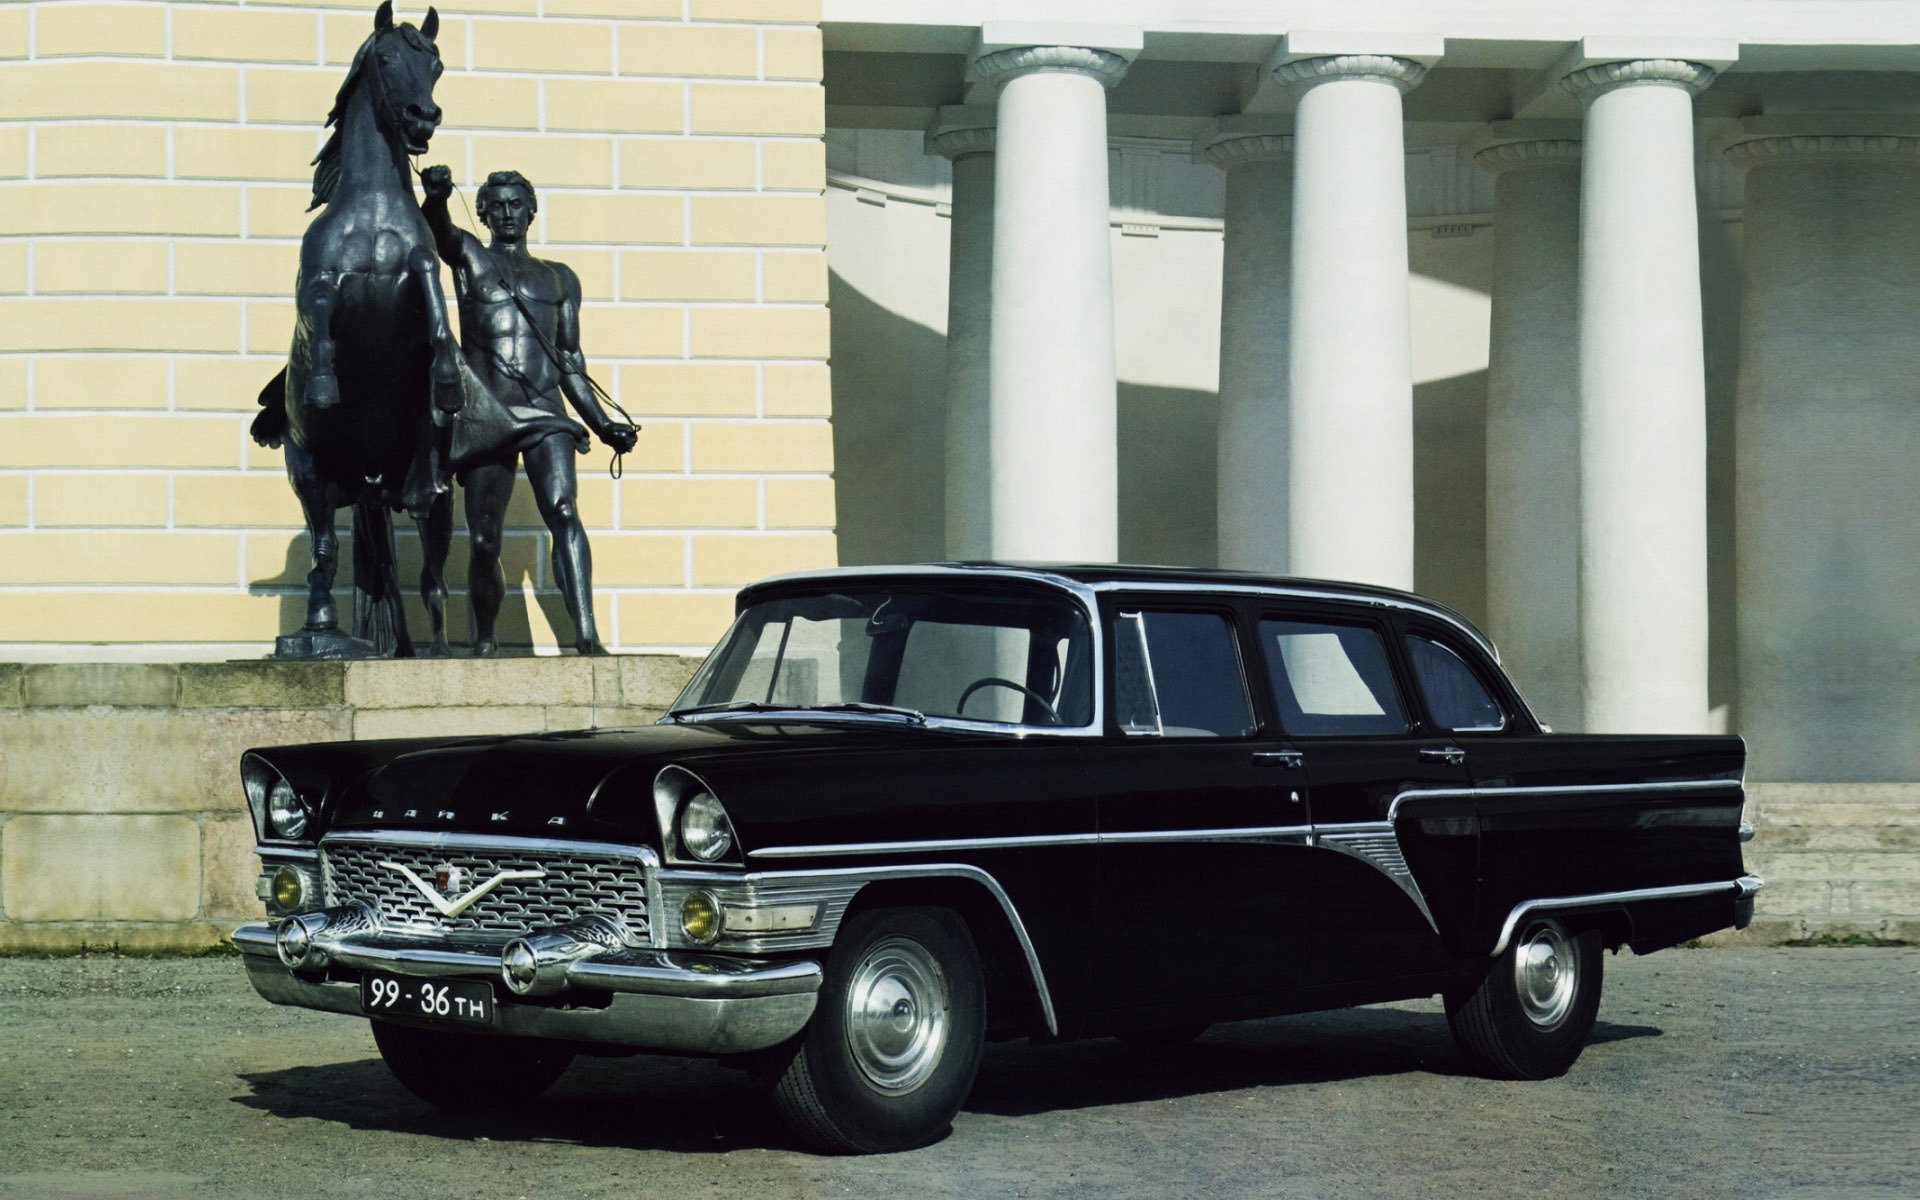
(1110,576)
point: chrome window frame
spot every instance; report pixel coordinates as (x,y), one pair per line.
(1088,594)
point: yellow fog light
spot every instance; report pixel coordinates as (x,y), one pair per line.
(289,888)
(700,917)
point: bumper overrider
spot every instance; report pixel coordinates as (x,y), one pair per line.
(576,982)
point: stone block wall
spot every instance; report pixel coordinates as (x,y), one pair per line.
(154,179)
(1840,860)
(121,817)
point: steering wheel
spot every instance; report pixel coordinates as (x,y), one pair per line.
(960,709)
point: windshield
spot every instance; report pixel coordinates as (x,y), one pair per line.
(922,652)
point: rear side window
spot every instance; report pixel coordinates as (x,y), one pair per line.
(1331,680)
(1455,696)
(1177,674)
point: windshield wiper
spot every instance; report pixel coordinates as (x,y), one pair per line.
(729,706)
(913,715)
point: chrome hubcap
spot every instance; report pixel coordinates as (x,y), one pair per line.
(897,1009)
(1543,973)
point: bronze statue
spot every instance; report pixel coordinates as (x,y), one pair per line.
(520,336)
(371,342)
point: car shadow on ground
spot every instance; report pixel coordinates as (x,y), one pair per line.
(696,1106)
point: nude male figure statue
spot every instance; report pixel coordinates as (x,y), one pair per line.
(520,335)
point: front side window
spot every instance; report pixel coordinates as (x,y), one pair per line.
(1331,680)
(1005,659)
(1455,696)
(1177,674)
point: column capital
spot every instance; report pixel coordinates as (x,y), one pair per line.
(1586,83)
(1505,145)
(1403,73)
(1002,66)
(959,130)
(1243,138)
(1757,141)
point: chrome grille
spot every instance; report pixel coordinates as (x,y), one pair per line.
(575,885)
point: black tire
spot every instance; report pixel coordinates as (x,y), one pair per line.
(466,1071)
(853,1086)
(1527,1019)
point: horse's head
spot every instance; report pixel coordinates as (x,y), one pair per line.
(401,65)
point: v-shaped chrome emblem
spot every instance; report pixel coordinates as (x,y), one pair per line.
(453,908)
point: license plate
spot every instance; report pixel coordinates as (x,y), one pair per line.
(460,1001)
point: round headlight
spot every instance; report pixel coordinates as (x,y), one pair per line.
(289,888)
(700,917)
(704,828)
(285,812)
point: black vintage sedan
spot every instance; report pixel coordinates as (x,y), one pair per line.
(900,811)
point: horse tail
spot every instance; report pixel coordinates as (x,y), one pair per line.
(379,614)
(270,423)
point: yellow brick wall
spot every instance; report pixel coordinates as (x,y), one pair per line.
(153,181)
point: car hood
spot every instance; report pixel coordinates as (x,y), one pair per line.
(584,784)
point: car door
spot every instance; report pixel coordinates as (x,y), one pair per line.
(1203,818)
(1339,694)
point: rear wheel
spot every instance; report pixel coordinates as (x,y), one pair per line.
(1530,1015)
(896,1038)
(469,1071)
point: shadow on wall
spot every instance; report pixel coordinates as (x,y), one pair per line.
(520,555)
(889,430)
(1450,492)
(1722,279)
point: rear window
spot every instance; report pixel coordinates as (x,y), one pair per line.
(1455,696)
(1331,680)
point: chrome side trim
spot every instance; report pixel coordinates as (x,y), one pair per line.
(1379,848)
(1746,886)
(1569,789)
(930,846)
(1299,834)
(932,871)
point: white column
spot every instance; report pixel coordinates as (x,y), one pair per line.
(1254,303)
(1643,429)
(1053,396)
(1533,422)
(969,325)
(1350,446)
(1827,449)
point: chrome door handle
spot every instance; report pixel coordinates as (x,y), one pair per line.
(1285,758)
(1451,755)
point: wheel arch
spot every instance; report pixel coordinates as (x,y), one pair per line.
(1018,1001)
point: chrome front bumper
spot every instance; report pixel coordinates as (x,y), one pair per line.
(638,998)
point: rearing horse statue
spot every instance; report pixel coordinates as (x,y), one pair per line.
(372,378)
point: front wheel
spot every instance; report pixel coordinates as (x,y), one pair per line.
(896,1038)
(1530,1015)
(468,1071)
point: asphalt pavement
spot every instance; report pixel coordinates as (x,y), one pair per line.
(1722,1073)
